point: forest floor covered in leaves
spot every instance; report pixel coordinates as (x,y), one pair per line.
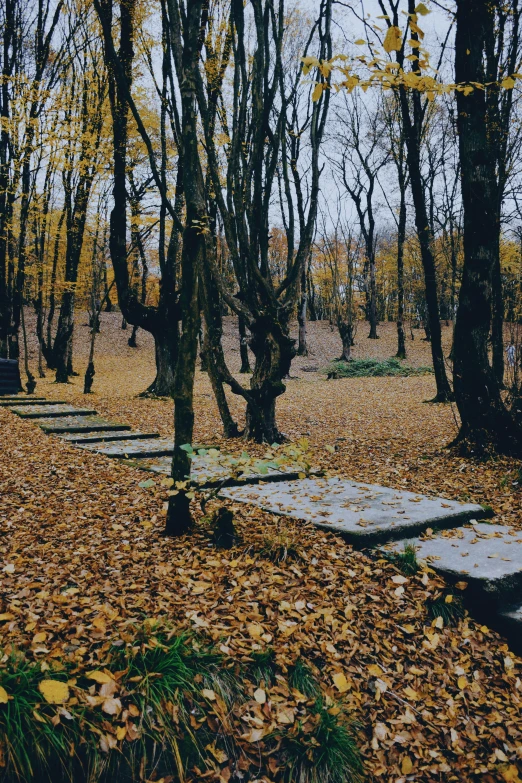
(84,565)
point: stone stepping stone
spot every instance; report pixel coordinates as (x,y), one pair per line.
(363,514)
(207,472)
(106,436)
(30,403)
(72,424)
(19,399)
(487,557)
(49,410)
(130,448)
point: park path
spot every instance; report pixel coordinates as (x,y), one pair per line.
(447,534)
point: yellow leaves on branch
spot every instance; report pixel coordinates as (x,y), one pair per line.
(393,40)
(388,74)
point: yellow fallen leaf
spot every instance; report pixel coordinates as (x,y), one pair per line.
(98,676)
(99,624)
(260,696)
(6,616)
(340,682)
(38,638)
(408,628)
(461,585)
(54,692)
(510,774)
(406,765)
(121,731)
(375,670)
(112,706)
(218,754)
(254,735)
(411,694)
(4,697)
(462,683)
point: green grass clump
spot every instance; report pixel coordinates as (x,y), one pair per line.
(323,750)
(373,368)
(160,707)
(281,548)
(448,606)
(405,561)
(33,748)
(263,667)
(301,677)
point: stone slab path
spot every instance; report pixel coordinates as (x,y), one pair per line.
(106,436)
(207,472)
(131,448)
(48,410)
(488,557)
(364,514)
(6,402)
(64,425)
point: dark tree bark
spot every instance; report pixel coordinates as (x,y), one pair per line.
(243,346)
(264,128)
(346,333)
(485,419)
(186,45)
(161,321)
(302,345)
(92,122)
(413,113)
(401,236)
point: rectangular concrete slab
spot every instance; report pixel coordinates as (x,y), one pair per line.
(364,514)
(488,557)
(106,436)
(20,400)
(209,472)
(64,424)
(130,448)
(49,410)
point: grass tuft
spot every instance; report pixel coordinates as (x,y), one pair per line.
(448,606)
(281,548)
(263,668)
(322,750)
(301,677)
(373,368)
(405,561)
(160,708)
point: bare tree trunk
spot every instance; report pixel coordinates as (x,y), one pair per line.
(401,235)
(346,335)
(302,347)
(484,417)
(243,346)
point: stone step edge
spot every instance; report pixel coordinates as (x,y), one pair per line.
(55,414)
